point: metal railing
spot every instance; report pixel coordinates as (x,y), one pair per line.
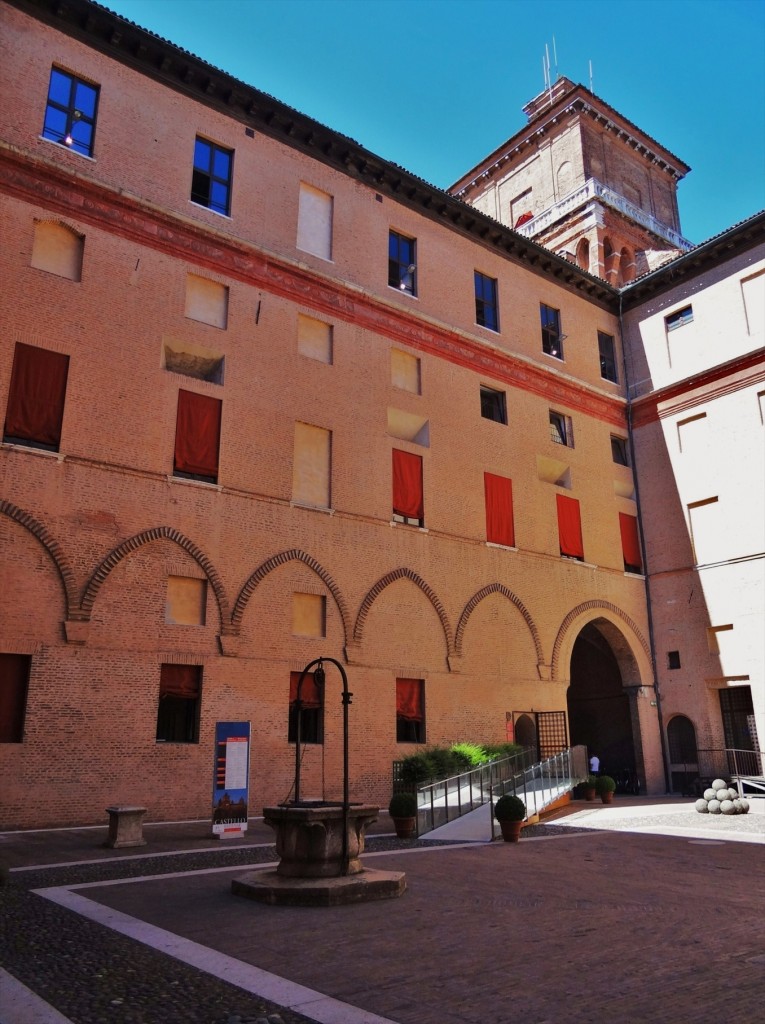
(542,784)
(443,800)
(728,763)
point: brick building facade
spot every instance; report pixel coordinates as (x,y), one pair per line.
(268,397)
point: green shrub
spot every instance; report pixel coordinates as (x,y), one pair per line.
(416,768)
(403,805)
(495,751)
(442,762)
(510,808)
(471,755)
(605,784)
(591,782)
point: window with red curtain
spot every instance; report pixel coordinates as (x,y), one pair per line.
(197,436)
(410,711)
(407,486)
(36,397)
(630,543)
(312,712)
(14,676)
(499,509)
(180,690)
(569,527)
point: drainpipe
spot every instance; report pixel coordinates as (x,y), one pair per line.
(647,577)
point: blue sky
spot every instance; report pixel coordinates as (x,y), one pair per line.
(435,85)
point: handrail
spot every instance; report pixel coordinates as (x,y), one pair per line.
(542,784)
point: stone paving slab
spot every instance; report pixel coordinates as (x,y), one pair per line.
(595,927)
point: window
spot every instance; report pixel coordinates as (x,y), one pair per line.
(70,116)
(312,710)
(405,371)
(186,601)
(716,636)
(206,301)
(607,357)
(314,232)
(180,692)
(197,437)
(312,466)
(569,528)
(408,426)
(309,615)
(679,319)
(500,528)
(552,339)
(673,659)
(561,430)
(486,312)
(630,543)
(706,529)
(619,451)
(58,250)
(36,398)
(753,291)
(493,405)
(402,268)
(14,679)
(211,178)
(691,433)
(408,506)
(315,339)
(193,361)
(410,711)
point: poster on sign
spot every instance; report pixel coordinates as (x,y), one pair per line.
(231,779)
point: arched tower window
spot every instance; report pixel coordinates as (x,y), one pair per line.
(583,254)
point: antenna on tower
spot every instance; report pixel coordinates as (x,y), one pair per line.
(547,72)
(591,89)
(555,59)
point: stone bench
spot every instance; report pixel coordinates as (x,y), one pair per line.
(125,827)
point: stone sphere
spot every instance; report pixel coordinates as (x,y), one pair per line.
(737,805)
(701,807)
(732,794)
(744,805)
(727,807)
(710,794)
(719,784)
(714,806)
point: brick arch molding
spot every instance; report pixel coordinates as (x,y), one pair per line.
(475,600)
(148,537)
(293,555)
(593,606)
(385,581)
(51,545)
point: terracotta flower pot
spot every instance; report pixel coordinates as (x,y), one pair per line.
(406,828)
(608,797)
(589,794)
(511,830)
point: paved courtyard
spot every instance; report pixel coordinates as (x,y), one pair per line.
(599,916)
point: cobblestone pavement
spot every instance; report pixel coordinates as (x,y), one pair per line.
(570,925)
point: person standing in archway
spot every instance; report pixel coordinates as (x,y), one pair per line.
(594,765)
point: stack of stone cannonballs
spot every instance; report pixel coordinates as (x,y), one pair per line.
(721,798)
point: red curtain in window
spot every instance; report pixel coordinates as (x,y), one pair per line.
(630,542)
(179,681)
(499,509)
(14,673)
(407,484)
(309,691)
(409,699)
(36,397)
(569,527)
(197,434)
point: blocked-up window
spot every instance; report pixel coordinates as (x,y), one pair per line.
(197,437)
(309,615)
(315,339)
(311,710)
(14,680)
(180,698)
(312,465)
(498,492)
(628,528)
(691,433)
(58,250)
(314,232)
(753,290)
(705,527)
(206,301)
(408,426)
(186,601)
(410,711)
(36,397)
(70,113)
(569,527)
(405,371)
(719,637)
(408,505)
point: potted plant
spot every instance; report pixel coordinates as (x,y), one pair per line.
(403,810)
(590,787)
(510,811)
(606,787)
